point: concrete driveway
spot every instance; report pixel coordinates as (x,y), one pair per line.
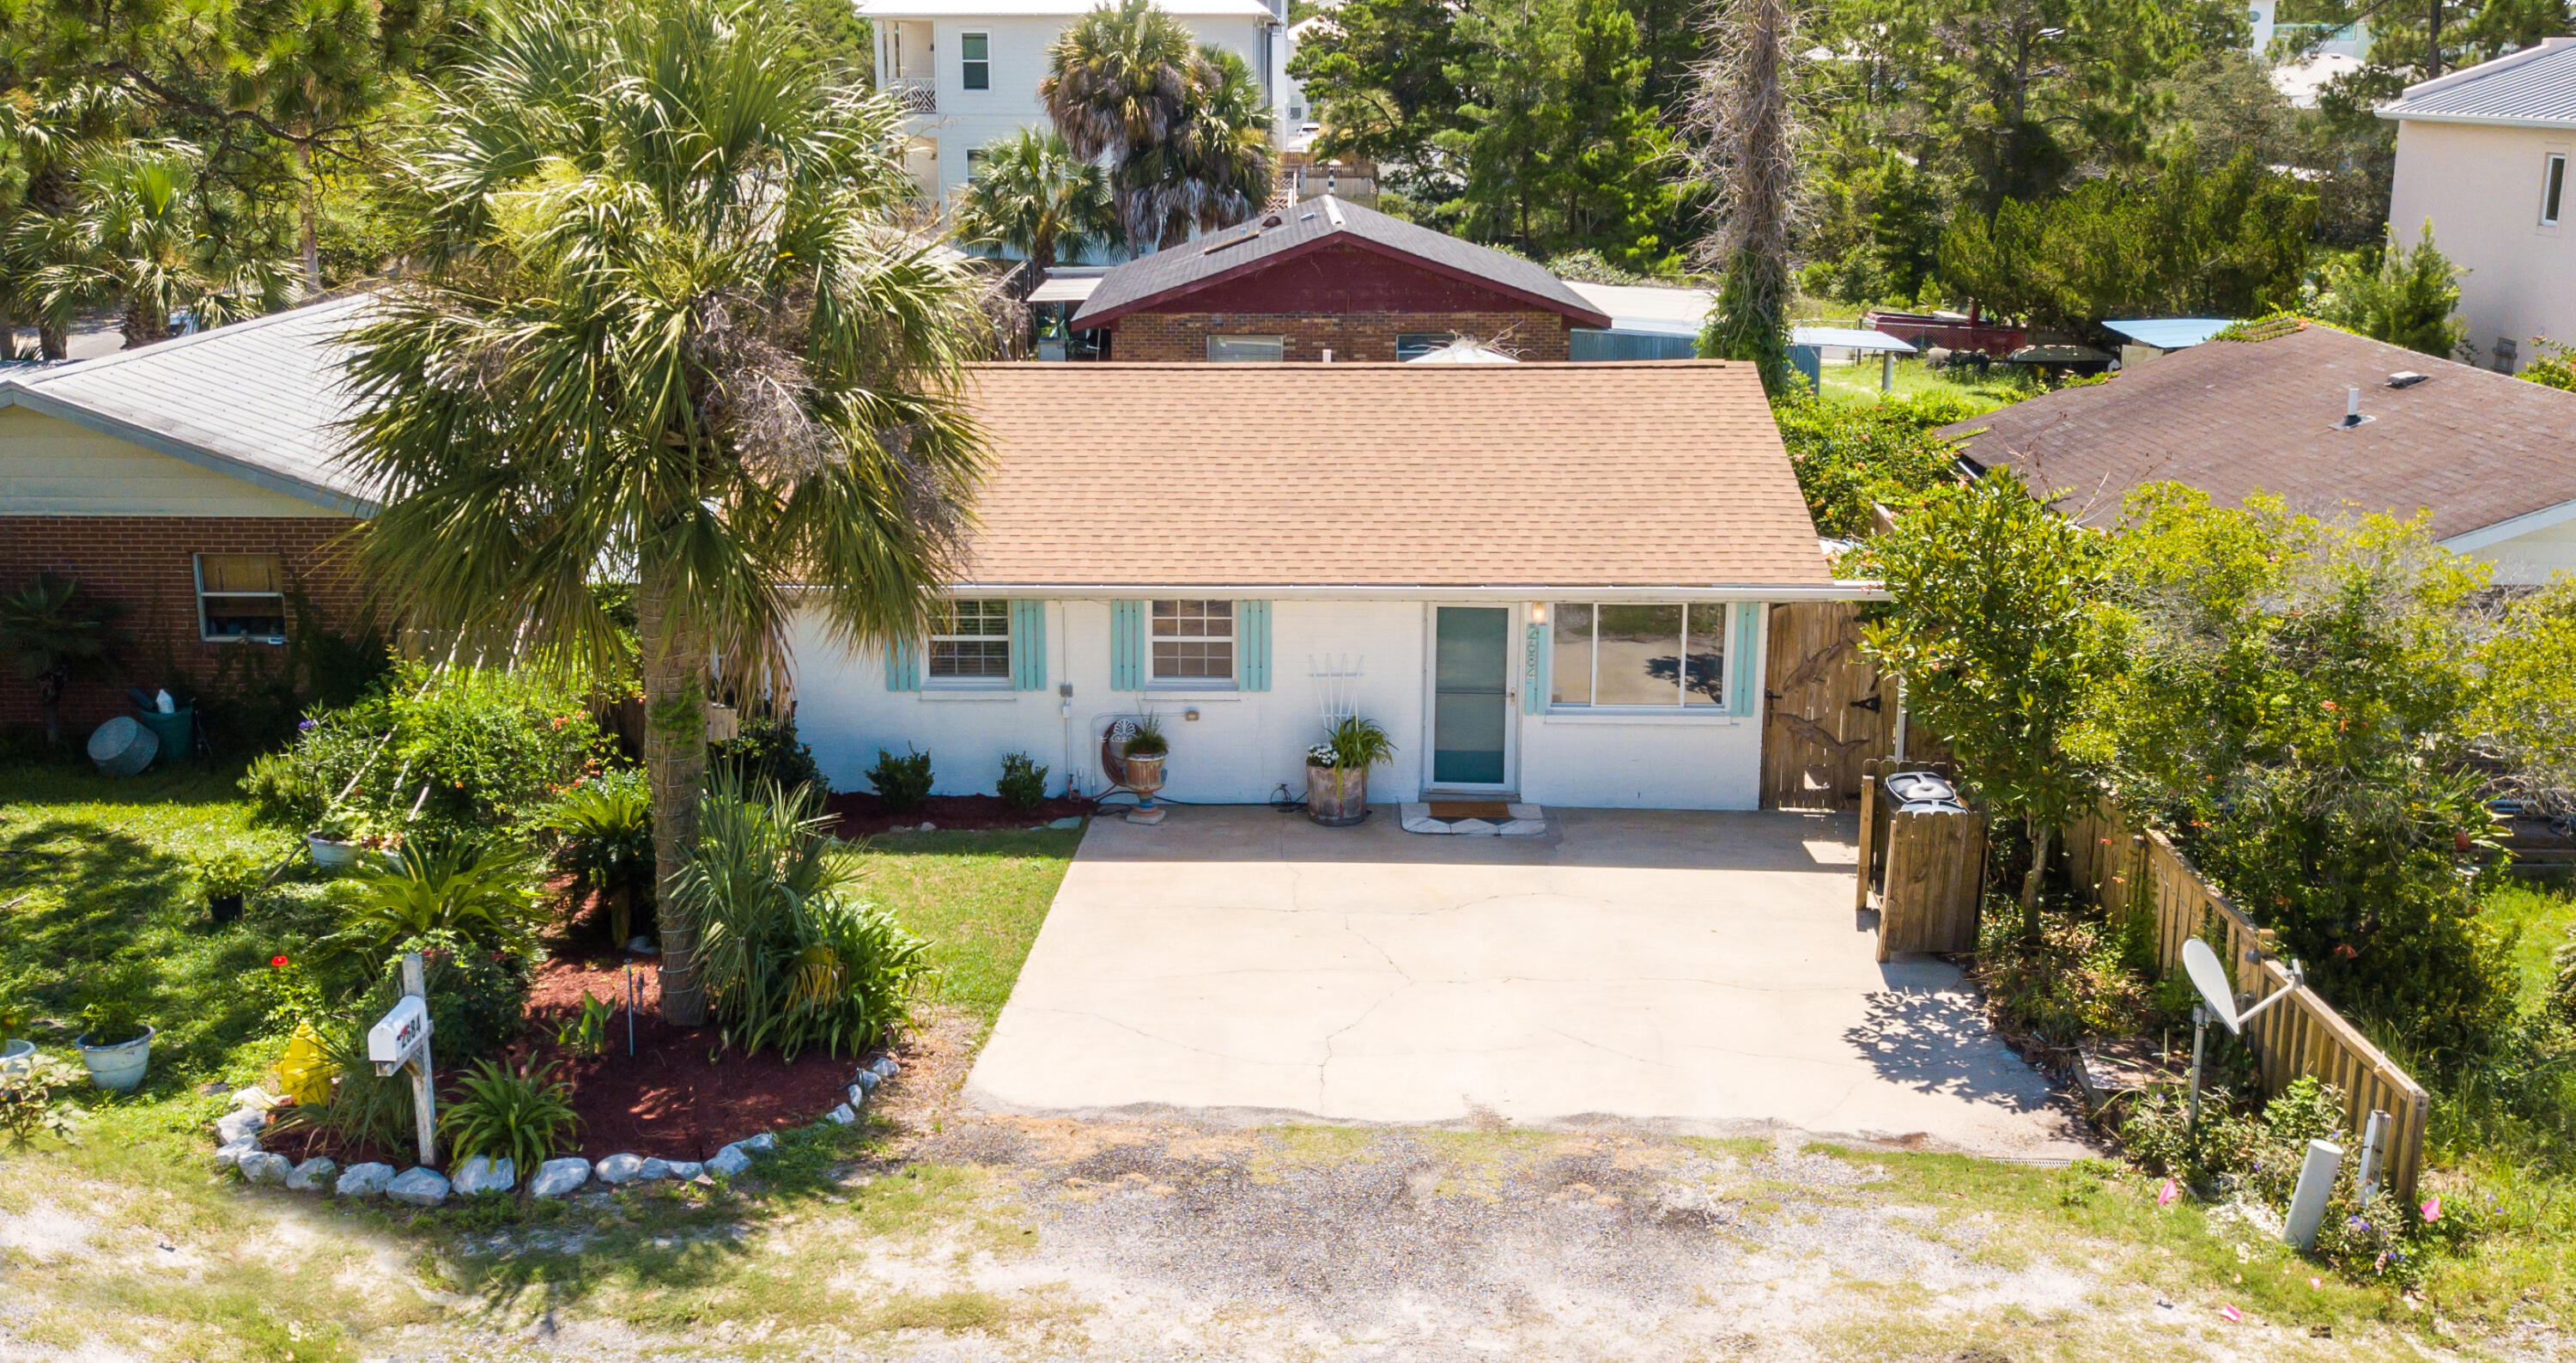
(1688,972)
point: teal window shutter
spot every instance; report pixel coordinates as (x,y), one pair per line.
(1126,645)
(1534,671)
(1741,655)
(1252,645)
(903,666)
(1028,645)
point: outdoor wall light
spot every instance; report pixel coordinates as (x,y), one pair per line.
(1538,612)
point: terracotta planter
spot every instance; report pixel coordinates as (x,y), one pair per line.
(1336,797)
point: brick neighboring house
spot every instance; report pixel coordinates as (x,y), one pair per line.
(192,483)
(1325,275)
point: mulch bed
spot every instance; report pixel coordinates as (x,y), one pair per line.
(863,814)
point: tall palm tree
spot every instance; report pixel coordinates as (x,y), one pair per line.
(1220,167)
(139,238)
(1118,87)
(1038,198)
(666,326)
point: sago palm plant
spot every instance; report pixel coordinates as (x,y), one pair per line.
(666,326)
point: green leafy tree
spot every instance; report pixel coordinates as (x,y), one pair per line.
(1992,629)
(1509,120)
(2553,365)
(1039,199)
(1378,73)
(2401,296)
(138,239)
(1612,174)
(667,323)
(2231,243)
(1853,457)
(1744,106)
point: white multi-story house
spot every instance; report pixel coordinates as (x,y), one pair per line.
(969,69)
(2482,156)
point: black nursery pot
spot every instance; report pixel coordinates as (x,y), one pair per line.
(224,908)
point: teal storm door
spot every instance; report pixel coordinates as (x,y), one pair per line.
(1471,696)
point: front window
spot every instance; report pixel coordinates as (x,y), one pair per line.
(2553,189)
(1194,641)
(1637,656)
(241,596)
(1245,349)
(972,642)
(977,50)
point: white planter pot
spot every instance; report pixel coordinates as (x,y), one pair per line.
(17,1056)
(118,1067)
(329,854)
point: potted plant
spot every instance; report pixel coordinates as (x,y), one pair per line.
(226,875)
(332,840)
(1337,770)
(1140,762)
(17,1053)
(116,1044)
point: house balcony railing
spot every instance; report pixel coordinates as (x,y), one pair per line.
(917,94)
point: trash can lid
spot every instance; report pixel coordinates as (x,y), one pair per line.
(1931,807)
(1920,785)
(113,737)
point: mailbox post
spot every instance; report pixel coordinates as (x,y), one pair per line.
(401,1038)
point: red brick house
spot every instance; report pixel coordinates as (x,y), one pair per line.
(193,483)
(1325,275)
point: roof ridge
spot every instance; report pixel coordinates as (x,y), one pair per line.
(2493,66)
(173,344)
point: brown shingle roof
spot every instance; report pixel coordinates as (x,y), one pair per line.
(2235,417)
(1561,475)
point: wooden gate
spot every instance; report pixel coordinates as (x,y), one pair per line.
(1826,708)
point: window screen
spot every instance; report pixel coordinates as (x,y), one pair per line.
(1245,349)
(973,642)
(241,596)
(977,49)
(1194,641)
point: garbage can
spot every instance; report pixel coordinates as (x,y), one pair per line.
(176,730)
(1928,850)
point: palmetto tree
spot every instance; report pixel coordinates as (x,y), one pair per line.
(1184,129)
(140,239)
(1038,198)
(666,326)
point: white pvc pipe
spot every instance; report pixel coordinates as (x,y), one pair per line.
(2308,1204)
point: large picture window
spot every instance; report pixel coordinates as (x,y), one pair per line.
(1637,656)
(241,596)
(972,643)
(1193,641)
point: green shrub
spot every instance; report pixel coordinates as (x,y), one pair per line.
(478,999)
(606,827)
(1852,456)
(2077,982)
(1023,783)
(365,1108)
(790,957)
(766,752)
(484,893)
(587,1033)
(901,782)
(522,1116)
(1148,740)
(28,1103)
(471,750)
(1353,742)
(2561,1004)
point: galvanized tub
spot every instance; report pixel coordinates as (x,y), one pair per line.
(1336,797)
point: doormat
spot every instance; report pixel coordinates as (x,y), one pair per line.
(1475,819)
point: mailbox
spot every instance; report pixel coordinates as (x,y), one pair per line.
(399,1035)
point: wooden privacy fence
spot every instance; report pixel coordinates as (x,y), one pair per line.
(2117,867)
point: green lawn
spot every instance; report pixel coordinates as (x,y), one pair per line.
(2545,915)
(978,897)
(1860,381)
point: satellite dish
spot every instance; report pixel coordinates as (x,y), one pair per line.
(2210,976)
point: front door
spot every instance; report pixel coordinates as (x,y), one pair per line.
(1471,697)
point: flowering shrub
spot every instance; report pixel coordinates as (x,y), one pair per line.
(452,751)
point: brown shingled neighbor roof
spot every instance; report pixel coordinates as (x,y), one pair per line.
(1556,475)
(2236,417)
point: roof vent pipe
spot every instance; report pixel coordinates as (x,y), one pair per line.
(2352,407)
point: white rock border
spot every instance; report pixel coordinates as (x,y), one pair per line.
(237,1144)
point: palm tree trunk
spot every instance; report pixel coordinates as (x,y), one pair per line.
(144,324)
(52,342)
(675,768)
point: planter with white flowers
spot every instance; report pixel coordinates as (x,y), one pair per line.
(1337,770)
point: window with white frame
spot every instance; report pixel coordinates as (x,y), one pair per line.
(1194,641)
(975,50)
(2553,188)
(1245,349)
(970,643)
(1660,655)
(241,596)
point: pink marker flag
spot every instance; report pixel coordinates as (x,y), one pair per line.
(2231,1312)
(2166,1194)
(2432,1209)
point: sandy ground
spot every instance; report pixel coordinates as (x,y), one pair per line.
(1102,1240)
